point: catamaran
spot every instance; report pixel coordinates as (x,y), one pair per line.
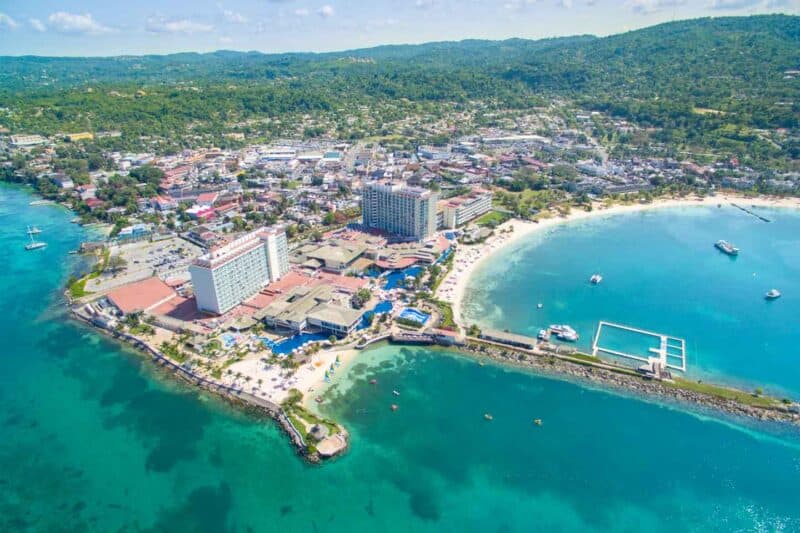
(34,244)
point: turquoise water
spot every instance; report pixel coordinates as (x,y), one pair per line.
(94,439)
(662,273)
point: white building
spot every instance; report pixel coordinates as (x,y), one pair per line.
(459,211)
(233,273)
(408,212)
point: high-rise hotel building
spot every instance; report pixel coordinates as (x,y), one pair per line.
(400,210)
(229,275)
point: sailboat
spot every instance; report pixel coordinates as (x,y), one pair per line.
(34,244)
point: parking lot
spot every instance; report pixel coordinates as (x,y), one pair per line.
(169,258)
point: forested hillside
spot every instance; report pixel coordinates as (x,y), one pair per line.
(704,82)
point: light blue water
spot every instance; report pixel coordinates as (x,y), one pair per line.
(94,439)
(662,273)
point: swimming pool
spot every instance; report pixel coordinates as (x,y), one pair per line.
(382,307)
(286,346)
(395,279)
(409,313)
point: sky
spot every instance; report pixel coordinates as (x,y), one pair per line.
(125,27)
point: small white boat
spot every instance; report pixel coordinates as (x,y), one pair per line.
(539,306)
(33,230)
(596,279)
(773,294)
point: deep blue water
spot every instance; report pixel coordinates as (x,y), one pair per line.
(95,439)
(662,273)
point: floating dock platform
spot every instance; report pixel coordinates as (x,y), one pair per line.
(671,351)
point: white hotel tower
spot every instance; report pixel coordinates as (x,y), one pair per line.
(231,274)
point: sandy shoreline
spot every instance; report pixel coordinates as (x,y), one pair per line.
(469,257)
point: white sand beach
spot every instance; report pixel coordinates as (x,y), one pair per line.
(276,382)
(469,257)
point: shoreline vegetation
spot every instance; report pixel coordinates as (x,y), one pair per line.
(321,439)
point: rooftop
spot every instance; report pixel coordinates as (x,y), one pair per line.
(141,295)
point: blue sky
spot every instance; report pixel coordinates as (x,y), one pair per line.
(103,27)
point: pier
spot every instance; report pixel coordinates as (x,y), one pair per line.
(751,212)
(671,351)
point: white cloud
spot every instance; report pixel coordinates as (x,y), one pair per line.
(325,11)
(302,12)
(424,4)
(37,24)
(516,5)
(64,22)
(566,4)
(225,40)
(733,4)
(651,6)
(233,17)
(7,23)
(162,25)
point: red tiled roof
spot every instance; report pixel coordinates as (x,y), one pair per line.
(141,295)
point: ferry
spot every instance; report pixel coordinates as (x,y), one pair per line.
(595,279)
(726,247)
(773,294)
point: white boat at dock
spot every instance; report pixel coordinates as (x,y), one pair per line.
(564,332)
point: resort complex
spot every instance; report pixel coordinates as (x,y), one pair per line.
(400,210)
(225,277)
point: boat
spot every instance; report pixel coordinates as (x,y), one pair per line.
(396,393)
(539,306)
(726,248)
(41,202)
(773,294)
(564,332)
(538,421)
(373,382)
(544,335)
(487,416)
(34,244)
(33,230)
(595,279)
(395,407)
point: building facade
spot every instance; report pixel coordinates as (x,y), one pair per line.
(408,212)
(227,276)
(459,211)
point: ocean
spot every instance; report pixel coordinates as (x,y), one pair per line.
(94,438)
(661,273)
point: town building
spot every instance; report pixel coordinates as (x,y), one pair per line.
(458,211)
(229,275)
(406,212)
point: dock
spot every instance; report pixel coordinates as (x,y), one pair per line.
(751,212)
(671,351)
